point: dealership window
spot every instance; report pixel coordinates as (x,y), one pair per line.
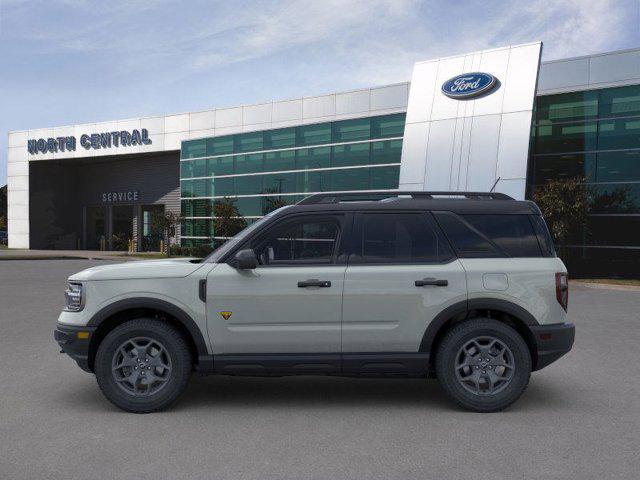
(237,165)
(284,160)
(313,134)
(280,138)
(346,155)
(605,150)
(194,148)
(352,130)
(249,163)
(319,157)
(248,142)
(388,126)
(388,151)
(220,145)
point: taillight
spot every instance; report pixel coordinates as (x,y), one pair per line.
(562,289)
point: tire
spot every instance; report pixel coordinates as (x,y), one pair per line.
(159,376)
(467,377)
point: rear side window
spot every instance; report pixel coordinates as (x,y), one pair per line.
(468,242)
(514,234)
(544,237)
(399,238)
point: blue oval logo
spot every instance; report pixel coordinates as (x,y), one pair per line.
(469,85)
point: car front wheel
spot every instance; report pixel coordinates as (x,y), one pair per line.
(483,365)
(143,365)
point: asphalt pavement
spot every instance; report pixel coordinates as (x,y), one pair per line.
(579,418)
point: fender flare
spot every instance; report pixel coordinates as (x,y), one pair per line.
(156,304)
(466,306)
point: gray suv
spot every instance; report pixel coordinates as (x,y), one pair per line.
(463,286)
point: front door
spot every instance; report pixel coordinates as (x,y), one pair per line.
(401,274)
(291,303)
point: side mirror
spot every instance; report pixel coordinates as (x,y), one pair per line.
(246,260)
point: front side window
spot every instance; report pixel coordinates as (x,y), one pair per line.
(399,238)
(299,242)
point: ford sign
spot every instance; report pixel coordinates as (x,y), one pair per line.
(468,85)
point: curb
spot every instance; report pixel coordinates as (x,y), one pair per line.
(606,286)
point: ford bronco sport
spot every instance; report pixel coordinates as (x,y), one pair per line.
(461,285)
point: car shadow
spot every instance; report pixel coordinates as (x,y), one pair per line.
(301,392)
(311,392)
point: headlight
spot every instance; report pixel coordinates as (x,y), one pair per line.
(74,295)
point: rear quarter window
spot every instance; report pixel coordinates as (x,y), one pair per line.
(514,234)
(491,235)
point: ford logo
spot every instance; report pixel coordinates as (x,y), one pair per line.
(469,85)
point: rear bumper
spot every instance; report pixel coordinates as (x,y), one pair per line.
(77,347)
(552,342)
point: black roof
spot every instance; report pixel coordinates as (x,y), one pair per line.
(457,202)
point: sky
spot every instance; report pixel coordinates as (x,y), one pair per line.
(65,62)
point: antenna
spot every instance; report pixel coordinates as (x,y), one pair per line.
(494,185)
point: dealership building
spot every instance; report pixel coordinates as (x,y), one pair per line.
(491,119)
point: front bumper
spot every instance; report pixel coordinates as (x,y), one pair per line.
(552,342)
(75,341)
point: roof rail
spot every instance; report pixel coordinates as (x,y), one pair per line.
(382,194)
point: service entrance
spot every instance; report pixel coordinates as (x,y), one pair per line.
(121,227)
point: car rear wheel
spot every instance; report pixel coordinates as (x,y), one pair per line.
(483,365)
(143,365)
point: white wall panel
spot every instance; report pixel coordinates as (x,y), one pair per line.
(202,120)
(439,159)
(287,111)
(470,141)
(131,124)
(154,125)
(393,96)
(422,91)
(323,106)
(352,102)
(18,240)
(17,154)
(18,139)
(18,197)
(173,141)
(253,114)
(521,79)
(614,67)
(573,73)
(494,62)
(176,123)
(17,168)
(229,117)
(483,154)
(514,187)
(513,149)
(414,148)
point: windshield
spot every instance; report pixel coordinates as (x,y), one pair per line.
(226,247)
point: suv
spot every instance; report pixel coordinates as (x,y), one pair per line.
(463,286)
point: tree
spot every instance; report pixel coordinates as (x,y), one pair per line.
(273,202)
(228,221)
(166,222)
(564,204)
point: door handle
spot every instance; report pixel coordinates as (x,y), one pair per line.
(314,283)
(431,281)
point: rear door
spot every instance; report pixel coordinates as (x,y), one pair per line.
(401,274)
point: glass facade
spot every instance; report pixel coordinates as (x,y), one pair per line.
(594,134)
(267,169)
